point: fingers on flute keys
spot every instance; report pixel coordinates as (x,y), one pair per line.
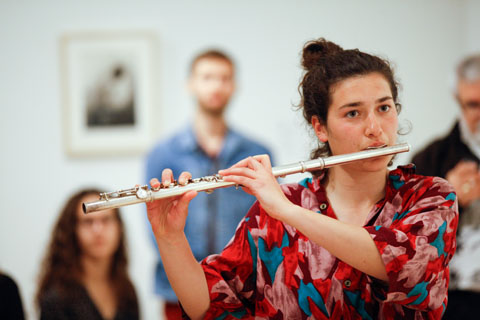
(167,179)
(264,159)
(249,166)
(255,162)
(184,178)
(155,184)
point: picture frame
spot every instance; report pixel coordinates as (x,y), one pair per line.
(107,80)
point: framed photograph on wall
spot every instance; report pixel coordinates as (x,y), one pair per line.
(107,80)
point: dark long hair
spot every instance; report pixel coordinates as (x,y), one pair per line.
(61,269)
(325,64)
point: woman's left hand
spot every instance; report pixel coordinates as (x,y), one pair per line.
(255,176)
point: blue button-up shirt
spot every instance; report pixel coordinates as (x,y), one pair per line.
(212,218)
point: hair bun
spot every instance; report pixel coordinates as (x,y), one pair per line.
(315,50)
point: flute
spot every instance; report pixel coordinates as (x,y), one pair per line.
(139,194)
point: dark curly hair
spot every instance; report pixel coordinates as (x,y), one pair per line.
(325,64)
(61,267)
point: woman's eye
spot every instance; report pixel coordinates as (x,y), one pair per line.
(385,108)
(352,114)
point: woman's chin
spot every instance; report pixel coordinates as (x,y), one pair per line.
(375,165)
(100,253)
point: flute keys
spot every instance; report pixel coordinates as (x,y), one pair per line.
(119,194)
(141,193)
(172,184)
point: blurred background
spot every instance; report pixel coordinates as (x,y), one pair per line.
(423,39)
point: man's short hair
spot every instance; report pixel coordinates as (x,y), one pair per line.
(469,68)
(211,54)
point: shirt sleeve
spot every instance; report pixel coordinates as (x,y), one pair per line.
(231,275)
(418,245)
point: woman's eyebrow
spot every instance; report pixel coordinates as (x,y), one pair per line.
(359,103)
(352,104)
(384,99)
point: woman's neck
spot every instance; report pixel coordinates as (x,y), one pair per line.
(210,130)
(96,270)
(98,283)
(353,194)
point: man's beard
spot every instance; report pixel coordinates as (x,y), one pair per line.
(471,139)
(476,134)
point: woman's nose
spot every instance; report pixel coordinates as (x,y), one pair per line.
(373,127)
(98,225)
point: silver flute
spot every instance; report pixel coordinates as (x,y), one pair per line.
(138,194)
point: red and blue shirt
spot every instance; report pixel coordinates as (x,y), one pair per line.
(269,270)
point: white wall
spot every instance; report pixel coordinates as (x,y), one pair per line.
(424,39)
(472,26)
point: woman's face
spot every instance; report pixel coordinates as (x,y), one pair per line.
(98,233)
(362,115)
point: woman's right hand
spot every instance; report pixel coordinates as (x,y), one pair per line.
(167,216)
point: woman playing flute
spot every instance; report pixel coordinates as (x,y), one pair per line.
(354,241)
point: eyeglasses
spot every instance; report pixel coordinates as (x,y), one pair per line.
(471,105)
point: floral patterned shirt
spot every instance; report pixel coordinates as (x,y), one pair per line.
(269,270)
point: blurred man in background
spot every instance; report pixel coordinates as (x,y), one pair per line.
(456,158)
(204,146)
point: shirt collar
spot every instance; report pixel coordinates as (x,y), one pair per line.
(395,180)
(189,141)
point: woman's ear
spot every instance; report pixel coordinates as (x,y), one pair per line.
(320,129)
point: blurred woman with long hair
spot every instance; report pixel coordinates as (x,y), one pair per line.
(84,273)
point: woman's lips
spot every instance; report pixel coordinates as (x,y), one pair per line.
(376,146)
